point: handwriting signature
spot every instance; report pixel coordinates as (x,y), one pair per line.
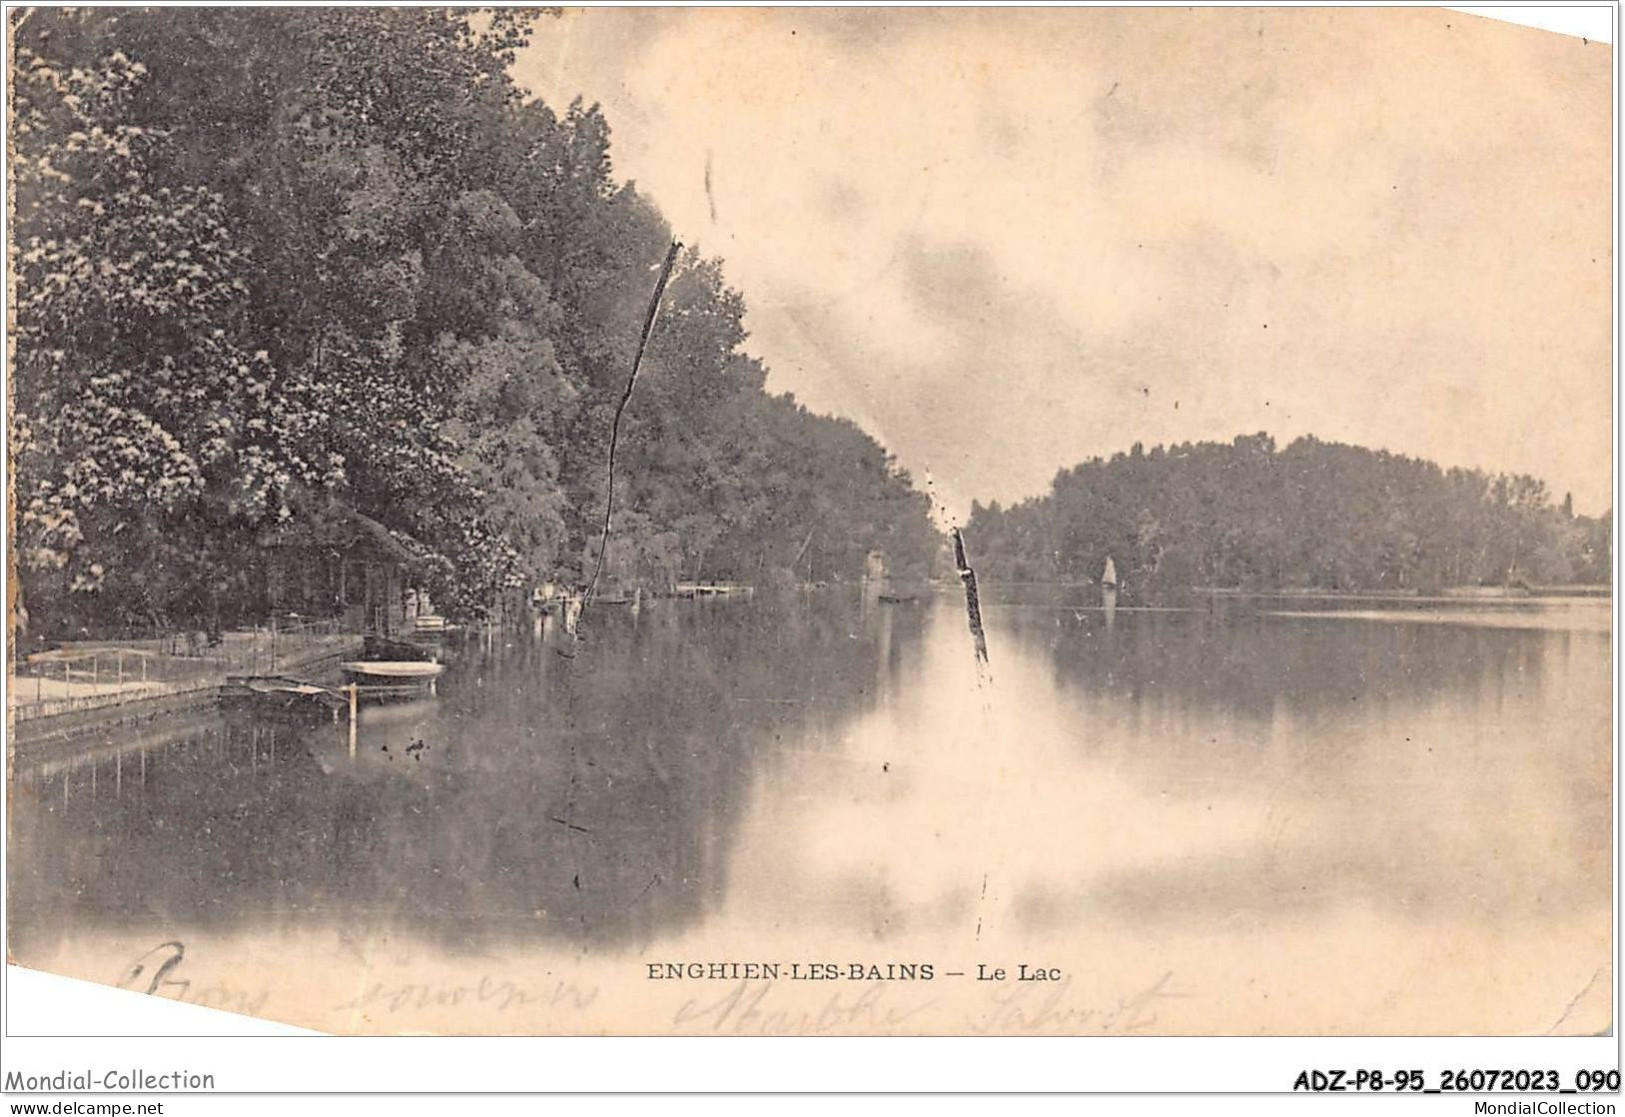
(498,995)
(760,1008)
(743,1010)
(161,961)
(1026,1007)
(154,973)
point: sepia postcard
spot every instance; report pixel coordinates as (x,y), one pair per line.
(803,521)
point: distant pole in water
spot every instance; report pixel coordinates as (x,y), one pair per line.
(626,398)
(1108,588)
(354,698)
(973,605)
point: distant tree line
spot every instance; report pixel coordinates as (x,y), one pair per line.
(282,270)
(1319,515)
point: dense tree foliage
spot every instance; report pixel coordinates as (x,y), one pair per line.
(278,267)
(1314,515)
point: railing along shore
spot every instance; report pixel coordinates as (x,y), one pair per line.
(81,675)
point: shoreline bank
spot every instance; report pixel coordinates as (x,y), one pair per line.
(30,734)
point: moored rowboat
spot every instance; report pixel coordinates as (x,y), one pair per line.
(386,670)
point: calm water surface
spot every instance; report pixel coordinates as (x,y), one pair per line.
(1237,819)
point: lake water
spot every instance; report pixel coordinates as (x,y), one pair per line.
(1246,818)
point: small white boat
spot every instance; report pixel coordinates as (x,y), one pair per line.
(277,689)
(260,685)
(392,669)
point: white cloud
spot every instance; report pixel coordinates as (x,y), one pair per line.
(1005,241)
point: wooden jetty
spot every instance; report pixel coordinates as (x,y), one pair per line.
(711,589)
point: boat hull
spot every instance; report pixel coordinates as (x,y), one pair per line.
(392,672)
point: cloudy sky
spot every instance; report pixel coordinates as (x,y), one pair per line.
(1005,241)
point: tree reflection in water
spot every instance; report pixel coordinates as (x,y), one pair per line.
(590,799)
